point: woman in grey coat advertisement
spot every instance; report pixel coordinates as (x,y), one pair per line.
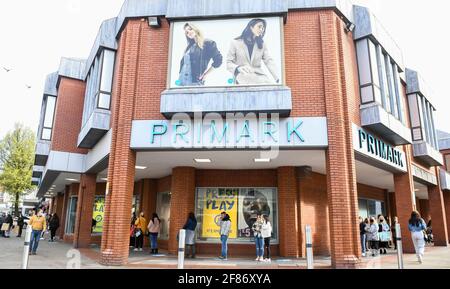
(247,53)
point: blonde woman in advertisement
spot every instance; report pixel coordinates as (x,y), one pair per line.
(194,66)
(246,54)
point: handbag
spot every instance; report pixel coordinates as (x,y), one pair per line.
(5,227)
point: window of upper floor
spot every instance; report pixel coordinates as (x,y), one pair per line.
(379,78)
(48,113)
(99,83)
(422,115)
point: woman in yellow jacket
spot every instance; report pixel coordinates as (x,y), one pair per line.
(140,231)
(38,224)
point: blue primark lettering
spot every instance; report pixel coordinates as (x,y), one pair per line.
(247,133)
(291,131)
(155,132)
(214,133)
(379,148)
(181,134)
(270,132)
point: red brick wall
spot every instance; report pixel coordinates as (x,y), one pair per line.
(164,184)
(86,197)
(237,178)
(68,116)
(313,203)
(424,209)
(372,193)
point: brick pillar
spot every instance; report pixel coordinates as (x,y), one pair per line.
(447,210)
(181,203)
(148,197)
(148,201)
(404,205)
(65,202)
(341,172)
(438,216)
(423,206)
(122,160)
(85,205)
(59,211)
(288,214)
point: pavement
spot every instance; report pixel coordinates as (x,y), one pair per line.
(60,255)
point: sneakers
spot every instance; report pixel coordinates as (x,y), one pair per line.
(223,258)
(135,249)
(268,260)
(140,249)
(364,254)
(258,259)
(420,259)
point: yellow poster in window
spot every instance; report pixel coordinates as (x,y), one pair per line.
(216,201)
(99,210)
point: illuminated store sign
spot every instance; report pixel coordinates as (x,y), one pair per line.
(374,148)
(229,134)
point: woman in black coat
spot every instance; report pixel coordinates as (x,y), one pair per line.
(54,225)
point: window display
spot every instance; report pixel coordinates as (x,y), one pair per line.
(242,204)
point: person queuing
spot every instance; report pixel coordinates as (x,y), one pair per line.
(259,241)
(384,230)
(191,224)
(38,225)
(225,227)
(140,231)
(362,236)
(372,236)
(8,220)
(266,233)
(153,229)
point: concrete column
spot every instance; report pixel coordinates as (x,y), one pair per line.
(85,205)
(288,215)
(438,216)
(181,203)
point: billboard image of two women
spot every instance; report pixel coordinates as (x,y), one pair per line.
(224,53)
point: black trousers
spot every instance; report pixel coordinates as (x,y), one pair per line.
(53,233)
(267,247)
(20,231)
(140,241)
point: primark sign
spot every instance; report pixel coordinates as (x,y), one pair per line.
(229,133)
(374,150)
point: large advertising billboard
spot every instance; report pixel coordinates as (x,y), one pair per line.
(226,53)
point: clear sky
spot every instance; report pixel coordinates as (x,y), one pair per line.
(36,34)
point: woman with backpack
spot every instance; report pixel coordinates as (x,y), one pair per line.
(53,225)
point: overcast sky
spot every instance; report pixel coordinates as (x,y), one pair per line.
(36,34)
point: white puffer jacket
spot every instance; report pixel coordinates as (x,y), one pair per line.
(266,230)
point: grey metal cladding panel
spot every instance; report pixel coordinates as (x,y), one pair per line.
(249,99)
(444,144)
(442,134)
(72,67)
(50,84)
(202,8)
(367,25)
(416,84)
(344,6)
(106,37)
(140,8)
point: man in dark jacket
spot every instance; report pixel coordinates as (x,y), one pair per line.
(20,223)
(2,220)
(9,220)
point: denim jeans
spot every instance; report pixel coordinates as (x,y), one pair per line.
(259,241)
(224,240)
(363,243)
(154,240)
(34,242)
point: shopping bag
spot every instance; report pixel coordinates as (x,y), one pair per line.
(5,227)
(385,236)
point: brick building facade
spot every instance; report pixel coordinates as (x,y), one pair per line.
(361,140)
